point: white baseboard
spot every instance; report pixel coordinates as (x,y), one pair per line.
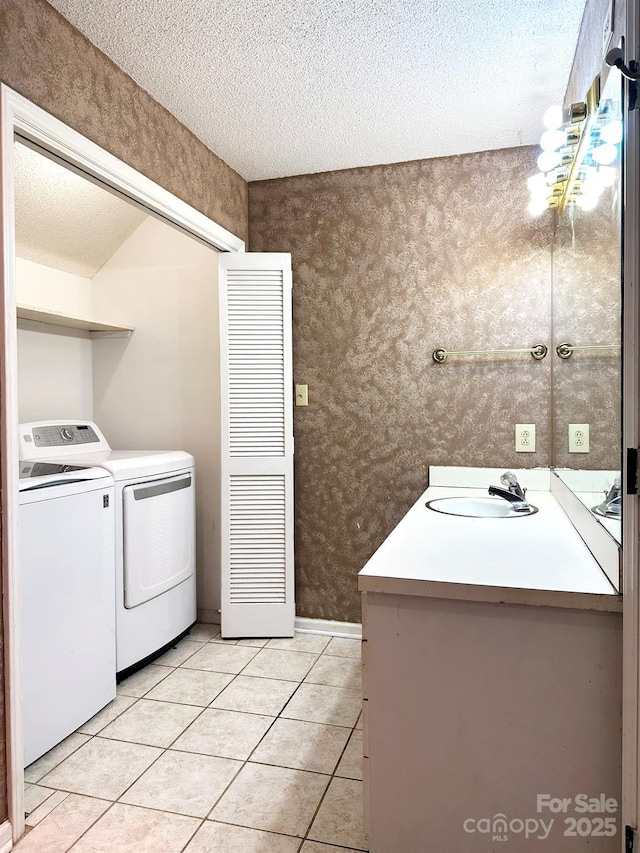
(303,624)
(6,837)
(349,630)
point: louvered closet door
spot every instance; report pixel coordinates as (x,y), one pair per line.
(257,445)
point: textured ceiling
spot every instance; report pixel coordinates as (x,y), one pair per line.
(64,220)
(283,87)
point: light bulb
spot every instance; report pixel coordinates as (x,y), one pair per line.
(541,194)
(537,206)
(553,118)
(549,160)
(538,180)
(607,175)
(587,202)
(592,187)
(605,154)
(551,140)
(612,132)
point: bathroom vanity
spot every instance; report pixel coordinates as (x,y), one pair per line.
(492,651)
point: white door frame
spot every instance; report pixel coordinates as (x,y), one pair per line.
(631,439)
(24,119)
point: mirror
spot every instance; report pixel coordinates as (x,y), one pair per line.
(587,305)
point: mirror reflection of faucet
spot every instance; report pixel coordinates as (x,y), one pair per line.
(611,506)
(511,491)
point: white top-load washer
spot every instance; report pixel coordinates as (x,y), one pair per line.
(67,599)
(155,533)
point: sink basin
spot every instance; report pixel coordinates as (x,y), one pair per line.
(477,507)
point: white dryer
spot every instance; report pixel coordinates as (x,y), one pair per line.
(154,537)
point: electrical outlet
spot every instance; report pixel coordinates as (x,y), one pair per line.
(578,438)
(525,438)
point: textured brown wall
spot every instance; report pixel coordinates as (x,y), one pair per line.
(44,58)
(389,263)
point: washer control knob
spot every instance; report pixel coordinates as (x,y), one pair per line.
(66,434)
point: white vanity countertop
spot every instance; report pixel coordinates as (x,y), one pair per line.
(536,560)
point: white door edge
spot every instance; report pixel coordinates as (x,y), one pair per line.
(631,438)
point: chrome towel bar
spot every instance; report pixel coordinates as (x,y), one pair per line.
(538,351)
(566,350)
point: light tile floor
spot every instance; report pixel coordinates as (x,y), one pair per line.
(247,746)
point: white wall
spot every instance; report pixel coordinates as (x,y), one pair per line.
(159,390)
(54,368)
(46,287)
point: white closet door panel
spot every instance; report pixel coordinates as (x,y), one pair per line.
(257,445)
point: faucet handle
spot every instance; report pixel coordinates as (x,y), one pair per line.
(510,482)
(509,479)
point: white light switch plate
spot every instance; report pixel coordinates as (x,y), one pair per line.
(302,395)
(578,438)
(525,438)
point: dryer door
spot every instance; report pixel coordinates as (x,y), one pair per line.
(159,536)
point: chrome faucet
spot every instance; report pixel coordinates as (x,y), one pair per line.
(611,506)
(510,482)
(511,491)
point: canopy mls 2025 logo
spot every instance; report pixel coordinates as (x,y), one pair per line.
(580,816)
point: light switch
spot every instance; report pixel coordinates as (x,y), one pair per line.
(578,438)
(302,395)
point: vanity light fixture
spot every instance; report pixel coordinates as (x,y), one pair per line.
(558,143)
(579,148)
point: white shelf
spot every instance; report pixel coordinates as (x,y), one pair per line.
(57,318)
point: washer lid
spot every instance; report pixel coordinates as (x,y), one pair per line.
(40,475)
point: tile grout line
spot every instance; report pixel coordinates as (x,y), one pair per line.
(163,749)
(166,749)
(333,776)
(244,763)
(135,702)
(157,758)
(247,760)
(94,736)
(117,800)
(91,825)
(51,769)
(170,670)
